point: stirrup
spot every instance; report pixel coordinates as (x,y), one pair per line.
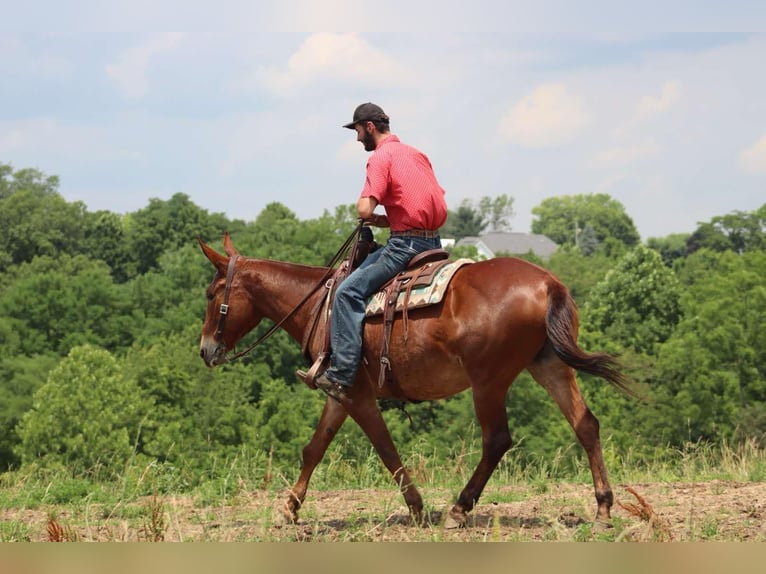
(316,369)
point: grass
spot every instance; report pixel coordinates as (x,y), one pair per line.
(354,500)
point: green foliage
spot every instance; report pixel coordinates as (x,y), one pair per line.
(285,420)
(37,222)
(579,272)
(165,225)
(56,303)
(105,240)
(564,218)
(472,218)
(712,368)
(738,231)
(21,376)
(636,305)
(670,248)
(465,222)
(195,412)
(86,417)
(466,251)
(497,211)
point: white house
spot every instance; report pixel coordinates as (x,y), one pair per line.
(511,243)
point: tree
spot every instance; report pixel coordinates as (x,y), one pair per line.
(580,273)
(636,306)
(671,248)
(497,211)
(738,231)
(56,304)
(25,179)
(85,418)
(166,225)
(285,419)
(711,371)
(587,241)
(36,221)
(277,233)
(563,219)
(105,240)
(465,222)
(472,217)
(21,376)
(196,413)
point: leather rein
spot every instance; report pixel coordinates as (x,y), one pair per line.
(223,309)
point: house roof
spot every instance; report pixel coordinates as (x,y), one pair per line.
(513,242)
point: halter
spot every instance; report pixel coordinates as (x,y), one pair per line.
(223,309)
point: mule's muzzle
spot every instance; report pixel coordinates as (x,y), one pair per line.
(212,353)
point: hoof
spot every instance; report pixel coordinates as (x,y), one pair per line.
(602,524)
(455,519)
(284,515)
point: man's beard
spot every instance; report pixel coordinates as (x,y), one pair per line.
(369,142)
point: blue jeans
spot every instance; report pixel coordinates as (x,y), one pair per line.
(351,296)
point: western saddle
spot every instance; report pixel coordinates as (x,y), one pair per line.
(419,272)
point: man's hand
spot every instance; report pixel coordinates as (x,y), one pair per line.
(379,220)
(365,207)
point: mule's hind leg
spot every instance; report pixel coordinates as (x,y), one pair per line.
(331,420)
(495,442)
(559,380)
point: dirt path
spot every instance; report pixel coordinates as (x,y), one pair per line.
(560,512)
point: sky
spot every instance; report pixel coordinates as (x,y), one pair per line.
(670,124)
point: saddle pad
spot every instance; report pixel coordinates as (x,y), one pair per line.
(420,296)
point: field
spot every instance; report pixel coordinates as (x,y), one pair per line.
(706,494)
(716,510)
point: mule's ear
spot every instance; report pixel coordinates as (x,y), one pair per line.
(228,246)
(215,258)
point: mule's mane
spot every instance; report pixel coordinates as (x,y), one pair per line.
(285,264)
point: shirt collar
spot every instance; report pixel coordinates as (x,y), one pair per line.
(390,138)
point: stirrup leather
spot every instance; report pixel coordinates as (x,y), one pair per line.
(316,369)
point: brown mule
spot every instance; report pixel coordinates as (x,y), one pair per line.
(497,318)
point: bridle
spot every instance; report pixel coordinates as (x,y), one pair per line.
(223,308)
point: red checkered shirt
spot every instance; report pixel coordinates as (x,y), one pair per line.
(402,180)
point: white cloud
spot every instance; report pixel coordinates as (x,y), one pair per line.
(130,71)
(652,105)
(549,116)
(753,159)
(623,155)
(344,57)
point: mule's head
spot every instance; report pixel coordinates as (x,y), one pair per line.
(228,317)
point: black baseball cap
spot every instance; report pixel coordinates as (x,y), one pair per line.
(368,112)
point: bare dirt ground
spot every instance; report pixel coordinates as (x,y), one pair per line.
(717,510)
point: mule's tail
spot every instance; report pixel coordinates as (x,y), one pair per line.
(561,325)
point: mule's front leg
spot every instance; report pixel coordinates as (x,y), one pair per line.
(331,420)
(366,413)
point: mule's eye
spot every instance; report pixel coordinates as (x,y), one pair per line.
(210,296)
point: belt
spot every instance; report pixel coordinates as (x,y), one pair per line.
(425,233)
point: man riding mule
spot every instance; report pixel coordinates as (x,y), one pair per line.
(495,319)
(401,179)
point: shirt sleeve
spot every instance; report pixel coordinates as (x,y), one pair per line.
(376,182)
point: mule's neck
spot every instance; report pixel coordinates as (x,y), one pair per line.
(277,287)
